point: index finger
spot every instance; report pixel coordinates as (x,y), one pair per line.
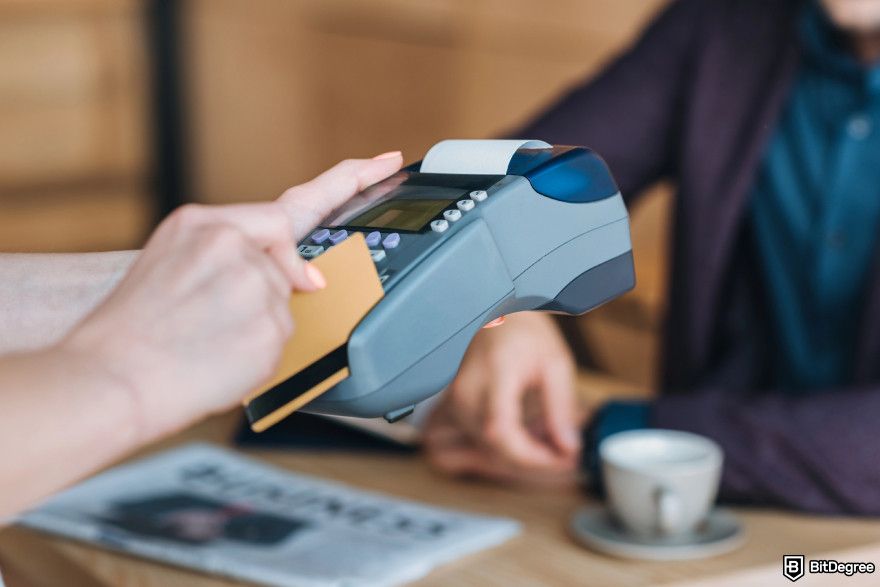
(311,202)
(560,407)
(506,431)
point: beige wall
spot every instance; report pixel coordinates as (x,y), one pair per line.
(73,148)
(282,88)
(277,90)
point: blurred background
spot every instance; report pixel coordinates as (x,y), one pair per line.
(113,112)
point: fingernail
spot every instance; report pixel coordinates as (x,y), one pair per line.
(315,276)
(496,322)
(389,155)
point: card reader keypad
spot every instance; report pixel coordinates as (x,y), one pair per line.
(452,215)
(374,239)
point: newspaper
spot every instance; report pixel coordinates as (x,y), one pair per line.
(206,508)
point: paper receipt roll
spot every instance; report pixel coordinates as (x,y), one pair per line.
(489,157)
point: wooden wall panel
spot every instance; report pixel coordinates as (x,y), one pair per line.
(72,97)
(73,109)
(281,89)
(75,219)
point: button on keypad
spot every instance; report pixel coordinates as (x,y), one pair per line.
(338,236)
(452,215)
(320,236)
(310,251)
(373,238)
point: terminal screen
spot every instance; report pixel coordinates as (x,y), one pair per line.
(399,214)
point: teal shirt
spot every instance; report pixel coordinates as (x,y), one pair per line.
(815,210)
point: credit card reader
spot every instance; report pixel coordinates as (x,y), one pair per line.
(476,230)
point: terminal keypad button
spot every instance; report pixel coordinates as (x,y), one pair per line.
(310,251)
(439,225)
(373,238)
(338,236)
(452,215)
(391,241)
(320,236)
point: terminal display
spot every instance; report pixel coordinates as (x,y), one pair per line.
(398,214)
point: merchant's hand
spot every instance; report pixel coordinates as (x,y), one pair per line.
(308,204)
(201,317)
(512,412)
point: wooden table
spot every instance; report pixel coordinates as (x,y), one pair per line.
(543,555)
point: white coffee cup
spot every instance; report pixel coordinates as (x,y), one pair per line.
(660,482)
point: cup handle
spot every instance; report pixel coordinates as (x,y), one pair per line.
(668,510)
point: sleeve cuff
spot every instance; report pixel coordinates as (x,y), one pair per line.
(613,417)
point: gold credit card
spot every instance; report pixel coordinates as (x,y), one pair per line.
(315,358)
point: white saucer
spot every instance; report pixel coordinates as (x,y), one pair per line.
(596,528)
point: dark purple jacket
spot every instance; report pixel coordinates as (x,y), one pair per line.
(695,101)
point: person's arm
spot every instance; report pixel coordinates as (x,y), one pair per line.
(43,295)
(630,114)
(199,319)
(816,453)
(62,416)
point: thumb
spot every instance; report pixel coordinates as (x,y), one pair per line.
(268,226)
(303,275)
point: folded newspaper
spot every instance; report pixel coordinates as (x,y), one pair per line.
(206,508)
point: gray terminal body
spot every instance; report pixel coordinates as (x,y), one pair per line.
(515,250)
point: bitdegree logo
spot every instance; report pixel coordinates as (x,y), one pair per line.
(833,566)
(794,567)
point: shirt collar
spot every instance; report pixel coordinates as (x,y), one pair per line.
(825,47)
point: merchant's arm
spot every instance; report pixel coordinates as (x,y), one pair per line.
(199,318)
